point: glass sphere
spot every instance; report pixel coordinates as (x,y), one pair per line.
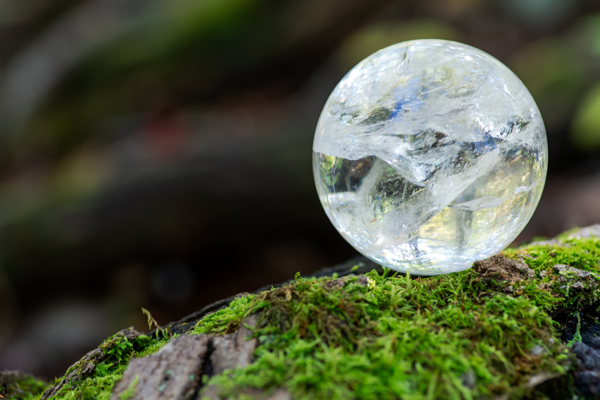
(430,155)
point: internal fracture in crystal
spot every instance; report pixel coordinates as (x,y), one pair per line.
(429,155)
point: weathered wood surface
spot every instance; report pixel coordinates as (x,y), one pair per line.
(172,373)
(175,372)
(234,350)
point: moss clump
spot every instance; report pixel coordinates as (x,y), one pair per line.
(94,376)
(467,335)
(451,336)
(582,254)
(226,320)
(96,387)
(16,385)
(397,337)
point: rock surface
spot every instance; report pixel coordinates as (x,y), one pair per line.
(588,378)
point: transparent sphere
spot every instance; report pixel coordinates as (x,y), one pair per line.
(429,155)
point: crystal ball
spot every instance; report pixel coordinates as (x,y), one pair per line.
(430,155)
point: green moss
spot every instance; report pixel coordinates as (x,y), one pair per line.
(99,385)
(450,336)
(153,346)
(583,254)
(18,386)
(32,387)
(225,320)
(389,337)
(397,337)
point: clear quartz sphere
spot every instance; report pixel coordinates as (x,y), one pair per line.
(429,155)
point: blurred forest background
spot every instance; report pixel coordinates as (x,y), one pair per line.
(157,154)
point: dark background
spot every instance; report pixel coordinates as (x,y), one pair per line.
(157,154)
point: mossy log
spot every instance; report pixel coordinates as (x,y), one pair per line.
(519,325)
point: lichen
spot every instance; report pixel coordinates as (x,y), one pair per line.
(477,334)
